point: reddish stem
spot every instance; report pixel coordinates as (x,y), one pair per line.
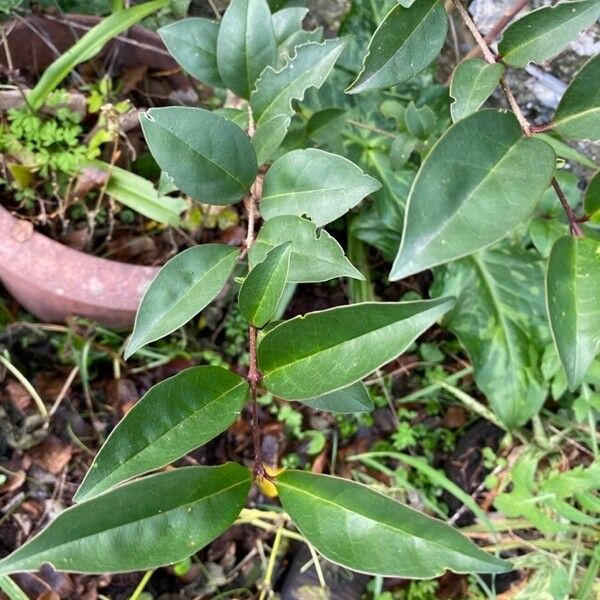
(507,17)
(541,128)
(253,376)
(574,224)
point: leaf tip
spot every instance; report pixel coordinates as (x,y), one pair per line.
(131,348)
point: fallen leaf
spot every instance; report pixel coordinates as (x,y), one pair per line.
(52,455)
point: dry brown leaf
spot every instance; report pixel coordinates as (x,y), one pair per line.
(52,455)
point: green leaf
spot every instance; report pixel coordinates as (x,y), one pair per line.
(145,524)
(182,288)
(11,589)
(573,290)
(472,84)
(578,114)
(245,44)
(543,33)
(315,184)
(481,180)
(380,223)
(276,89)
(269,136)
(239,116)
(365,531)
(262,289)
(500,319)
(334,348)
(325,124)
(405,43)
(562,150)
(173,418)
(207,156)
(592,199)
(550,222)
(315,256)
(87,47)
(419,121)
(352,399)
(140,195)
(193,44)
(287,24)
(403,145)
(519,501)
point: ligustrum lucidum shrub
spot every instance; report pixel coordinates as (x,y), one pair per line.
(478,184)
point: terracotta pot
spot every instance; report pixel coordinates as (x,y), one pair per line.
(54,281)
(49,279)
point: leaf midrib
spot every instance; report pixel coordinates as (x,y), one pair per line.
(460,205)
(272,282)
(488,281)
(204,156)
(563,120)
(289,111)
(321,499)
(306,255)
(550,30)
(477,87)
(127,524)
(190,291)
(192,415)
(346,341)
(293,194)
(413,33)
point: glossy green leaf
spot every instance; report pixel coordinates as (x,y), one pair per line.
(263,287)
(563,150)
(207,156)
(543,33)
(472,190)
(354,526)
(352,399)
(173,418)
(271,102)
(500,319)
(140,195)
(239,116)
(315,255)
(148,523)
(573,291)
(87,47)
(269,136)
(245,44)
(406,42)
(193,44)
(578,114)
(472,84)
(287,24)
(592,199)
(334,348)
(182,288)
(316,184)
(325,124)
